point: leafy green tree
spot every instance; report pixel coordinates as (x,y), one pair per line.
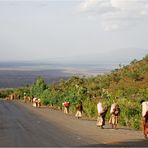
(20,92)
(38,87)
(5,92)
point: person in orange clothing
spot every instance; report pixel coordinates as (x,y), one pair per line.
(145,117)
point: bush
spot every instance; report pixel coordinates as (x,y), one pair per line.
(130,113)
(90,109)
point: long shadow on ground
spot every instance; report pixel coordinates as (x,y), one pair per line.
(139,143)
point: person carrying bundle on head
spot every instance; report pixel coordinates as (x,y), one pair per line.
(145,117)
(79,109)
(66,105)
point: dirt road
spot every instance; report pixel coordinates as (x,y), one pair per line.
(21,125)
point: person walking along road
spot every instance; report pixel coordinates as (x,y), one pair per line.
(79,109)
(145,117)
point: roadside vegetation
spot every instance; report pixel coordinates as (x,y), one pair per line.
(127,85)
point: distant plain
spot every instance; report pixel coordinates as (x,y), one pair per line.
(16,74)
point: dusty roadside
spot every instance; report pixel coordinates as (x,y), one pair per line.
(87,129)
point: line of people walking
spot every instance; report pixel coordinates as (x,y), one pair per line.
(102,111)
(79,110)
(78,107)
(114,115)
(36,102)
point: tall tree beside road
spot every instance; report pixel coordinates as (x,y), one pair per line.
(38,87)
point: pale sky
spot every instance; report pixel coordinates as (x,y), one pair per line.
(48,29)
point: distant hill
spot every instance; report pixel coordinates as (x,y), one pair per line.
(130,79)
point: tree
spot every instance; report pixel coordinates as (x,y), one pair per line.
(38,87)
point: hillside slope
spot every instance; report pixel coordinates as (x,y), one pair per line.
(127,85)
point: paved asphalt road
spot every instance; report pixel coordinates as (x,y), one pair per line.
(22,125)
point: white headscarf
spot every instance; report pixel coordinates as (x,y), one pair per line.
(144,108)
(99,107)
(112,107)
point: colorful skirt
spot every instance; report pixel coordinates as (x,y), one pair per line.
(113,119)
(99,121)
(78,114)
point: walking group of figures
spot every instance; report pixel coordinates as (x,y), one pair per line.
(79,108)
(114,114)
(102,111)
(36,102)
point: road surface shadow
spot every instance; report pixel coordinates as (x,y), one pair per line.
(120,128)
(139,143)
